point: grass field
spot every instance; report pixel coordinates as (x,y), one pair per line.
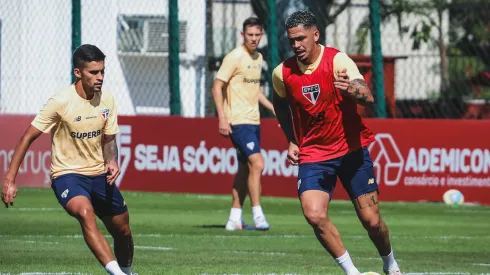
(184,234)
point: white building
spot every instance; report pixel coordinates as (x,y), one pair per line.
(35,58)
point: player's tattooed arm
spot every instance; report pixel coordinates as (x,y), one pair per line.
(111,152)
(355,88)
(359,90)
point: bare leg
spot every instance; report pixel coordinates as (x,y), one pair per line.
(256,166)
(118,227)
(81,208)
(315,209)
(367,209)
(240,188)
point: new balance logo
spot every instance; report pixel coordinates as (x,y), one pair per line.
(371,181)
(65,193)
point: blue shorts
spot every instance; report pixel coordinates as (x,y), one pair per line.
(246,139)
(106,199)
(355,171)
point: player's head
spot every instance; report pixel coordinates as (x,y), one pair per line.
(303,34)
(88,63)
(252,33)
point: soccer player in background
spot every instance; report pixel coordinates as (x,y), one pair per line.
(236,93)
(82,120)
(316,92)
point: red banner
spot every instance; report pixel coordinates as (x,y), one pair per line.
(415,160)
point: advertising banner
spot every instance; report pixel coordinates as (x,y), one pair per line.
(414,160)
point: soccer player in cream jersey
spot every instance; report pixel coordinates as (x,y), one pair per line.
(82,120)
(237,94)
(316,95)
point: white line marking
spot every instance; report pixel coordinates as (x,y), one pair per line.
(253,274)
(46,273)
(438,273)
(77,236)
(482,264)
(255,252)
(38,209)
(153,247)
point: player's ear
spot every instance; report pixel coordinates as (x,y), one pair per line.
(77,73)
(316,34)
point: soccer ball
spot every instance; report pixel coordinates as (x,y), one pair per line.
(370,273)
(453,197)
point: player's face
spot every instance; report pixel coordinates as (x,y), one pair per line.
(303,41)
(91,75)
(251,37)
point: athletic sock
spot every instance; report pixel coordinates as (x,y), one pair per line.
(346,264)
(113,268)
(257,212)
(236,214)
(389,262)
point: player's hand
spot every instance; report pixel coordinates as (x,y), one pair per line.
(9,192)
(113,172)
(224,127)
(293,153)
(342,81)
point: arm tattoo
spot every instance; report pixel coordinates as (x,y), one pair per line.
(359,90)
(110,149)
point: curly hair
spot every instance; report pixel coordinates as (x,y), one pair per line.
(305,18)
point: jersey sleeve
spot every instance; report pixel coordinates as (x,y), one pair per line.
(111,126)
(228,68)
(278,81)
(49,115)
(343,61)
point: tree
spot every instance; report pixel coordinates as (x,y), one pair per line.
(325,11)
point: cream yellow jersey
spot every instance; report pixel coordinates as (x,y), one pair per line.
(241,73)
(340,61)
(77,127)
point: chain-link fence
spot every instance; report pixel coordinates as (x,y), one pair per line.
(436,52)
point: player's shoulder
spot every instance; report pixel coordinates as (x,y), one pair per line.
(64,95)
(278,70)
(107,96)
(236,53)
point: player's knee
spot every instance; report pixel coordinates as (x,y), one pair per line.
(124,231)
(85,213)
(315,218)
(373,224)
(257,165)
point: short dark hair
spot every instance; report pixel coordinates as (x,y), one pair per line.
(305,18)
(252,21)
(87,53)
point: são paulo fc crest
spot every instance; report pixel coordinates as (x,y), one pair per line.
(311,92)
(104,113)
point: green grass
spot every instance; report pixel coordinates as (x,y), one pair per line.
(38,236)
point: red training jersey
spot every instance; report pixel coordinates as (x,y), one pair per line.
(326,123)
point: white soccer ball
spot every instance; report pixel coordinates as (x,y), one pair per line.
(370,273)
(453,197)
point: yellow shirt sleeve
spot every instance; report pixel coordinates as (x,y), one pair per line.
(278,81)
(228,68)
(49,115)
(111,126)
(343,61)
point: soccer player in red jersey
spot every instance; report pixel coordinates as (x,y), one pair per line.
(316,92)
